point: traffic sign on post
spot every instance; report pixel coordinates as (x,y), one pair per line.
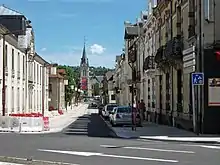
(197,78)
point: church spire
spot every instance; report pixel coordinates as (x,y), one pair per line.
(84,58)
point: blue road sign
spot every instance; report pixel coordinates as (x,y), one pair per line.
(198,78)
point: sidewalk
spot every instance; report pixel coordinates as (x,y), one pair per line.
(152,131)
(58,123)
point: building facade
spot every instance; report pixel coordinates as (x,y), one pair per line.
(164,47)
(25,85)
(56,88)
(41,85)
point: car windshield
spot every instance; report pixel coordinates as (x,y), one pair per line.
(124,110)
(111,107)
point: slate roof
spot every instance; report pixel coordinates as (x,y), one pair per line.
(97,78)
(7,11)
(109,75)
(84,59)
(130,32)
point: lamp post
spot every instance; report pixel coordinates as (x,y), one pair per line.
(3,77)
(76,95)
(72,88)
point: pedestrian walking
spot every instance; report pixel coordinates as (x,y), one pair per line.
(142,109)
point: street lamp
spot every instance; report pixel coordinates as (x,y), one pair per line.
(72,89)
(76,95)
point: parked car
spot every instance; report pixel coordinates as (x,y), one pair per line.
(93,106)
(107,110)
(122,115)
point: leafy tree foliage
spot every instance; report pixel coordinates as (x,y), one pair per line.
(71,76)
(96,89)
(97,71)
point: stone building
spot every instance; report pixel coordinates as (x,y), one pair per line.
(26,74)
(56,88)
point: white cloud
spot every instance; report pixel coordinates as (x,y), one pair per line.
(97,49)
(43,49)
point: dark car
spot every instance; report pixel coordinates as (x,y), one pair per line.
(93,106)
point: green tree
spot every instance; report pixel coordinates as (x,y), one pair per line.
(95,89)
(97,71)
(71,76)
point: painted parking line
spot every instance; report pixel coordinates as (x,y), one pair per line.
(88,154)
(8,163)
(149,149)
(203,146)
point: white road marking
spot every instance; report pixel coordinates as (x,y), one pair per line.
(153,141)
(108,155)
(182,139)
(8,163)
(150,149)
(211,147)
(203,146)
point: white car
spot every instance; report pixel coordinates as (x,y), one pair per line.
(122,115)
(107,110)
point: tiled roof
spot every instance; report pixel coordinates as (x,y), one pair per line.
(7,11)
(61,71)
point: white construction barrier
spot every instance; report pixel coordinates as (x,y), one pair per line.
(23,124)
(14,123)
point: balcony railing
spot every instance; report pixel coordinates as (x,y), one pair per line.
(132,54)
(173,49)
(149,63)
(159,55)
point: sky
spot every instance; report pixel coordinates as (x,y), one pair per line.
(60,27)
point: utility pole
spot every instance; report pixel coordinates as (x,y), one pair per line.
(3,77)
(199,68)
(43,88)
(171,37)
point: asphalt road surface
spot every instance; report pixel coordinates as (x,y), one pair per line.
(86,149)
(79,127)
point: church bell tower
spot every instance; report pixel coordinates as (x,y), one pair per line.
(84,71)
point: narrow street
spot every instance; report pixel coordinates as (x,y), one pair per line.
(79,127)
(85,150)
(78,144)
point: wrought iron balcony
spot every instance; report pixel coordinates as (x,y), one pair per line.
(149,63)
(159,58)
(173,49)
(132,54)
(177,48)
